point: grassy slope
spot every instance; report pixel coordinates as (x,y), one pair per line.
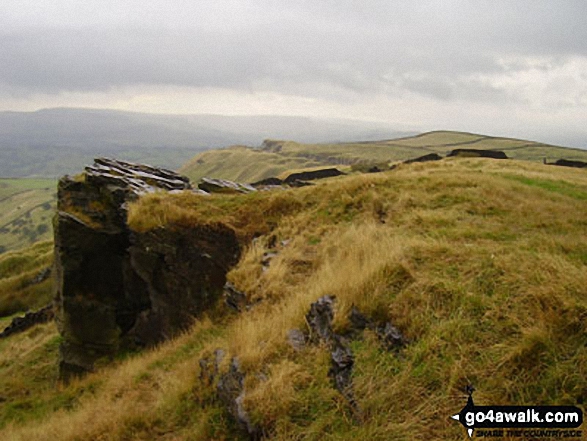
(249,165)
(18,269)
(26,212)
(480,263)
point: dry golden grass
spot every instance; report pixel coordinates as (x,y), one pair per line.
(481,264)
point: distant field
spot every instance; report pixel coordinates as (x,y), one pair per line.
(248,164)
(26,212)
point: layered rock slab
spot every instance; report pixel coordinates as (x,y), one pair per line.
(117,288)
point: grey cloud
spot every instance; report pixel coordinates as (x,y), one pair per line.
(373,47)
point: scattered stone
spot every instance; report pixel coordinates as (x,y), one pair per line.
(358,320)
(319,318)
(210,185)
(474,153)
(425,158)
(569,163)
(231,392)
(342,368)
(30,319)
(390,336)
(296,339)
(209,367)
(234,298)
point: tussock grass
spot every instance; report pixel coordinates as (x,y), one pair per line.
(479,263)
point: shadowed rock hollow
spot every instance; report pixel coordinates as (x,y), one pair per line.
(117,288)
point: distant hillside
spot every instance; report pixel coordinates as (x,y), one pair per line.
(275,157)
(51,143)
(26,212)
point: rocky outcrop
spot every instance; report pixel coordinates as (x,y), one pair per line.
(475,153)
(210,185)
(569,163)
(425,158)
(116,288)
(30,319)
(312,175)
(267,182)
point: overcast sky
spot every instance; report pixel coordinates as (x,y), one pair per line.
(513,68)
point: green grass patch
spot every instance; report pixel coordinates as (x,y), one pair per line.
(560,187)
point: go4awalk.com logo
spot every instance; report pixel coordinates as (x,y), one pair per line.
(523,421)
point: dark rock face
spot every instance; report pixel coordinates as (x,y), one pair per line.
(267,181)
(30,319)
(312,175)
(425,158)
(117,288)
(568,163)
(474,153)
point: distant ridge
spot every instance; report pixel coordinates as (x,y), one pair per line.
(53,142)
(247,164)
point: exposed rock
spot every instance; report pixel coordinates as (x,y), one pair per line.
(319,319)
(312,175)
(231,392)
(569,163)
(297,184)
(118,288)
(474,153)
(234,298)
(342,368)
(224,186)
(210,367)
(425,158)
(374,169)
(267,181)
(136,177)
(30,319)
(389,335)
(296,339)
(183,271)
